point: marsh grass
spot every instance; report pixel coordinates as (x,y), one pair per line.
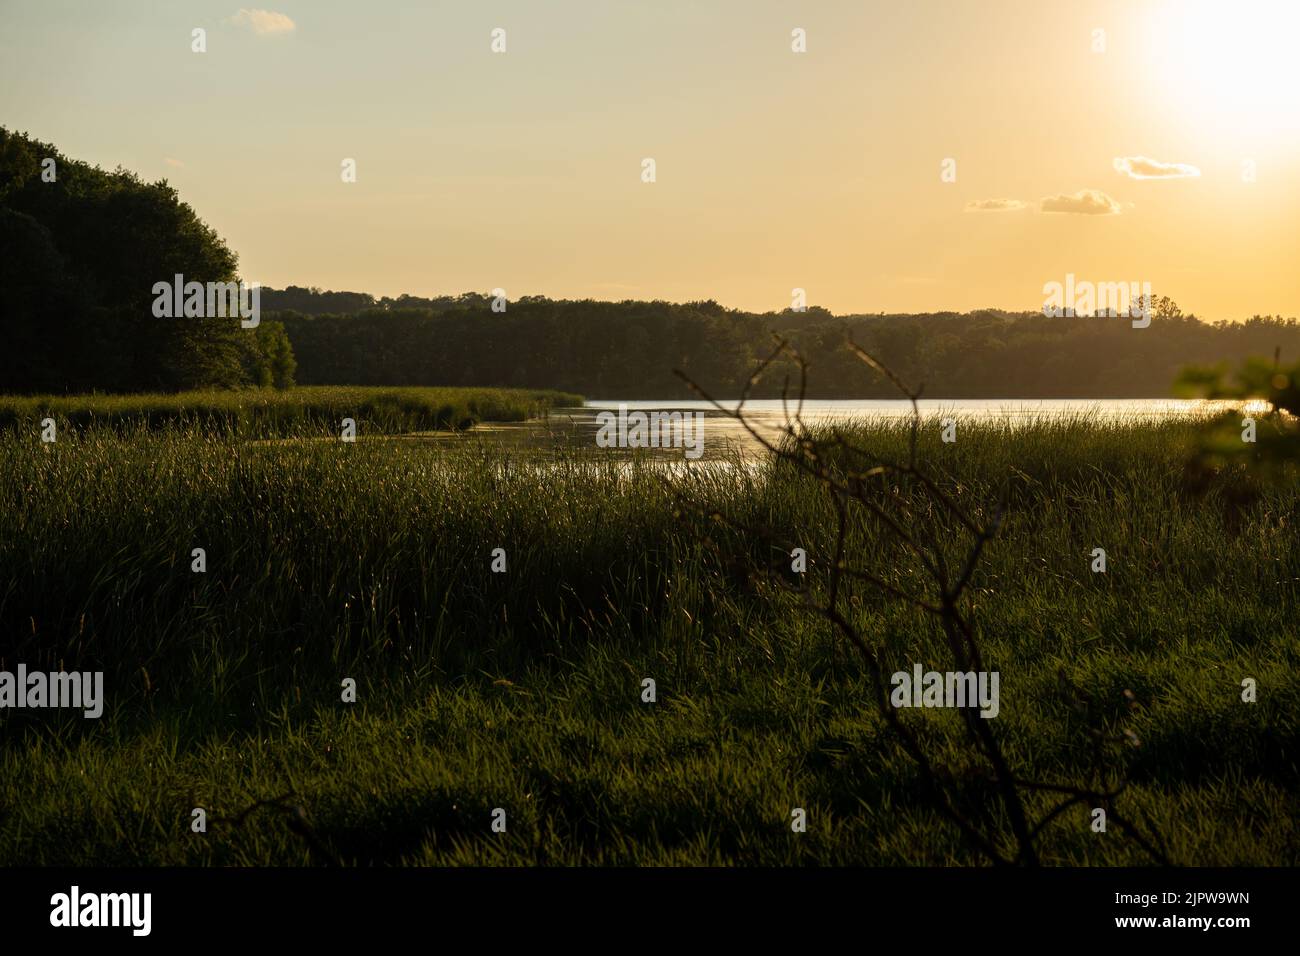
(302,411)
(522,690)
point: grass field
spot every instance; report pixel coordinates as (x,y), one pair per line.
(522,690)
(302,411)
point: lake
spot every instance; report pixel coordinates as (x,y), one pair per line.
(723,436)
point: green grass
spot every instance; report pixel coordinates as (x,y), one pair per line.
(522,690)
(302,411)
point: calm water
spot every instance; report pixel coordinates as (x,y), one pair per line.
(723,435)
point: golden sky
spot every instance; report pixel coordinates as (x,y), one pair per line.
(1165,149)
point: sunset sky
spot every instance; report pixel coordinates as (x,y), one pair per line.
(775,169)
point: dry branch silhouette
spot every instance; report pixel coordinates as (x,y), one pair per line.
(850,476)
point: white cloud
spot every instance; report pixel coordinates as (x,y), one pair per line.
(263,22)
(1087,202)
(995,205)
(1140,167)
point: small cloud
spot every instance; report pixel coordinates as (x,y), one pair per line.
(263,22)
(1086,202)
(994,205)
(1139,167)
(174,163)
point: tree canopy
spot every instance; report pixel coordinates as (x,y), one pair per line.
(80,252)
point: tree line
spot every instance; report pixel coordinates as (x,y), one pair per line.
(629,349)
(82,248)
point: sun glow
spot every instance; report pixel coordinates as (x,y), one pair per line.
(1230,63)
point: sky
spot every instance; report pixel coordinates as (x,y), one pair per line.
(916,156)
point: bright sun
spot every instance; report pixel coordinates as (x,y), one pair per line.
(1231,63)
